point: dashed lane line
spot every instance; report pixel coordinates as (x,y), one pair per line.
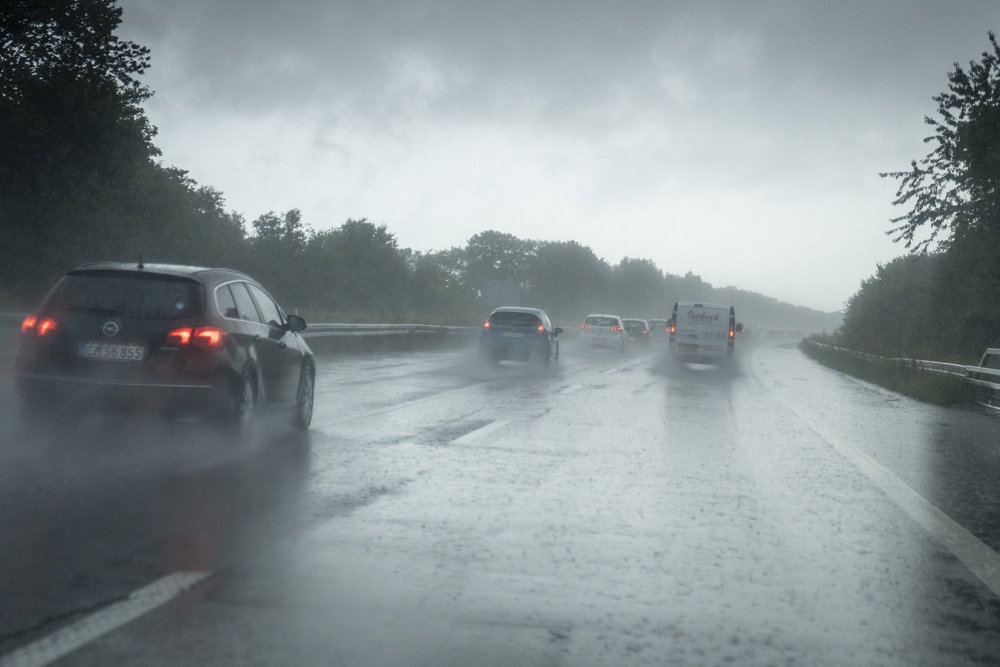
(64,641)
(472,436)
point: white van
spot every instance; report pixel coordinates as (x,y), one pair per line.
(702,332)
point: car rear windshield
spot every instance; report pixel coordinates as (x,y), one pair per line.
(514,319)
(603,321)
(153,297)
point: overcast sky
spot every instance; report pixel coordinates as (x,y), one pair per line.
(739,140)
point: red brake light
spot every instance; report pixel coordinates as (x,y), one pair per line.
(616,328)
(179,336)
(541,328)
(732,334)
(209,338)
(43,327)
(486,324)
(584,326)
(203,338)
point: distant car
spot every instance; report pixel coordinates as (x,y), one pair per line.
(638,330)
(659,329)
(174,338)
(604,330)
(513,333)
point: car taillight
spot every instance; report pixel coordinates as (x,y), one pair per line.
(179,336)
(616,328)
(732,334)
(486,325)
(584,326)
(203,338)
(209,338)
(43,327)
(541,328)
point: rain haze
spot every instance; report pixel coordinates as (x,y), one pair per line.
(740,141)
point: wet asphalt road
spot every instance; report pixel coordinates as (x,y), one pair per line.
(612,510)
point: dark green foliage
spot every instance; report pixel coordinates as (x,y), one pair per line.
(78,177)
(943,305)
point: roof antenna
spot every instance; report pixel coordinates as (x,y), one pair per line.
(140,267)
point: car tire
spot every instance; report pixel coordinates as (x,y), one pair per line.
(304,402)
(245,406)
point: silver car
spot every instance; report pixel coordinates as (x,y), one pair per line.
(604,330)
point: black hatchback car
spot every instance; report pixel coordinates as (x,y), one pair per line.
(168,337)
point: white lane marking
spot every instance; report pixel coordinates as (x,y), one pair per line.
(480,432)
(983,561)
(61,643)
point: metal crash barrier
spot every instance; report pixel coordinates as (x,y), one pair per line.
(985,377)
(319,330)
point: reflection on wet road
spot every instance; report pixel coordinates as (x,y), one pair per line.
(611,510)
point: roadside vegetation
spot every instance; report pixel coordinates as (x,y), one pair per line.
(901,377)
(940,301)
(81,179)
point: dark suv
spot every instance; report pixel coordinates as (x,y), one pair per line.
(175,338)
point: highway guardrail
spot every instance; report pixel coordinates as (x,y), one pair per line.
(986,380)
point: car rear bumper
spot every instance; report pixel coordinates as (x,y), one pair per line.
(54,392)
(500,348)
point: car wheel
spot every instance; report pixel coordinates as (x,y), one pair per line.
(304,404)
(245,410)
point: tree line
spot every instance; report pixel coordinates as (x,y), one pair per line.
(942,300)
(81,179)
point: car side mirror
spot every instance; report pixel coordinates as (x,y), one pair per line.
(295,323)
(557,331)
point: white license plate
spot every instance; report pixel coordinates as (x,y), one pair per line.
(512,334)
(112,351)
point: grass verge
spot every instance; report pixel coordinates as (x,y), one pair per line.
(926,386)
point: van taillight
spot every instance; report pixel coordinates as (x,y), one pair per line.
(204,338)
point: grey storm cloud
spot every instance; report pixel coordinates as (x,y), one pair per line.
(753,120)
